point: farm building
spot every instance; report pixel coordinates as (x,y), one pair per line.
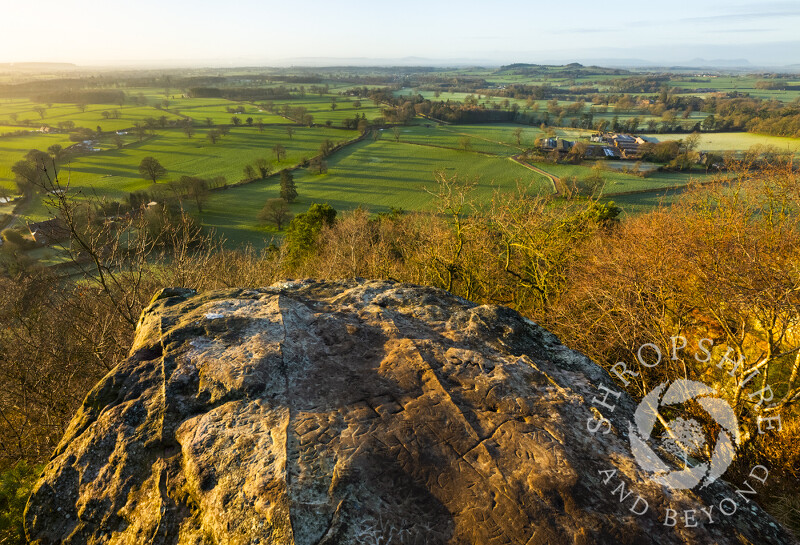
(557,144)
(602,152)
(48,231)
(627,144)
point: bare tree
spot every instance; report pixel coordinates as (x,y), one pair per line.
(263,167)
(279,151)
(275,211)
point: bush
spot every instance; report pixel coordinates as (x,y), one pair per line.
(303,229)
(16,484)
(10,236)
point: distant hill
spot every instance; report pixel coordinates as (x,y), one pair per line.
(571,69)
(37,66)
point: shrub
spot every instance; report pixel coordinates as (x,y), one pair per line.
(16,484)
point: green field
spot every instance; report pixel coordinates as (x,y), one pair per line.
(496,138)
(737,141)
(320,108)
(376,175)
(640,203)
(620,182)
(114,173)
(387,169)
(217,112)
(12,149)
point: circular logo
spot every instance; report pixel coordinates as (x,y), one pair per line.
(683,438)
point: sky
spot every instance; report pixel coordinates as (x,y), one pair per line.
(260,32)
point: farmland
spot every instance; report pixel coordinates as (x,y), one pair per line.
(399,150)
(376,175)
(738,141)
(113,173)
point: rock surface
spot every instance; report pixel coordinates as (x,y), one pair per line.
(356,413)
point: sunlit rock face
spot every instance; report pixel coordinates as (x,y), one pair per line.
(356,412)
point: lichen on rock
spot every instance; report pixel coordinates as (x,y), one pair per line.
(352,412)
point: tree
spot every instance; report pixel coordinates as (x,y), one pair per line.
(288,189)
(15,238)
(26,176)
(326,147)
(249,121)
(576,152)
(260,125)
(518,135)
(691,142)
(196,189)
(249,172)
(209,122)
(140,130)
(465,143)
(356,104)
(151,169)
(213,135)
(117,140)
(318,165)
(40,110)
(236,121)
(290,132)
(279,151)
(55,151)
(396,133)
(275,211)
(188,130)
(188,187)
(303,229)
(263,167)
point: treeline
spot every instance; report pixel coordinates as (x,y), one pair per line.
(637,84)
(82,96)
(241,93)
(53,90)
(36,87)
(572,70)
(457,113)
(538,92)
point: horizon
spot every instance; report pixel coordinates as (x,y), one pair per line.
(182,33)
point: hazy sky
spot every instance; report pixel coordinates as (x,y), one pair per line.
(262,31)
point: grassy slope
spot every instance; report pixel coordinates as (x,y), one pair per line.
(374,175)
(113,173)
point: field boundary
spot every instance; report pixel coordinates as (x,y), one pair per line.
(298,166)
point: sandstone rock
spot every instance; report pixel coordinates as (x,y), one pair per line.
(356,412)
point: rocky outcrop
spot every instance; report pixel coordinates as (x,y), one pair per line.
(359,413)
